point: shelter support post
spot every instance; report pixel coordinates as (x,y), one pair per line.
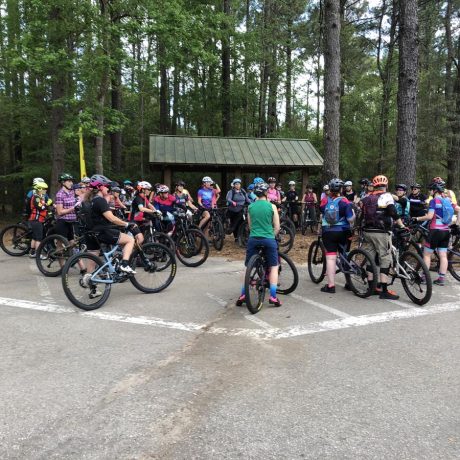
(167,176)
(304,180)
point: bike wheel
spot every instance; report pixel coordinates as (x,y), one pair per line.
(288,276)
(316,262)
(286,221)
(243,234)
(255,284)
(15,240)
(286,239)
(52,254)
(192,248)
(164,239)
(418,286)
(453,257)
(155,267)
(83,289)
(360,264)
(217,234)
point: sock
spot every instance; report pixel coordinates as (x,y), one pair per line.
(384,287)
(441,276)
(273,290)
(330,285)
(125,263)
(243,291)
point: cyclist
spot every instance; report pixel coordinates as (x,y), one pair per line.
(251,195)
(364,182)
(165,203)
(207,199)
(440,213)
(273,194)
(29,194)
(402,203)
(348,192)
(264,225)
(326,192)
(106,223)
(379,214)
(182,196)
(449,193)
(292,199)
(37,215)
(279,187)
(337,214)
(116,205)
(236,198)
(66,204)
(417,201)
(309,203)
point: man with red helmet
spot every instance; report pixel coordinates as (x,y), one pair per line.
(379,214)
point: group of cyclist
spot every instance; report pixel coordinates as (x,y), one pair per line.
(116,210)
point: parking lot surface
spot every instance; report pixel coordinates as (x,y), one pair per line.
(185,374)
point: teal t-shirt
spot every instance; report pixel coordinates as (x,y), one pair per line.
(261,214)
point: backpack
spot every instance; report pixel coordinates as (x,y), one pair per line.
(402,212)
(84,215)
(241,190)
(447,211)
(373,216)
(332,212)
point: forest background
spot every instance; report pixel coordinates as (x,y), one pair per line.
(124,69)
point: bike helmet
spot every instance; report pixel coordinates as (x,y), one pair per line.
(236,181)
(335,184)
(251,187)
(116,189)
(291,182)
(163,188)
(41,186)
(380,180)
(207,179)
(401,187)
(415,186)
(127,182)
(261,188)
(144,184)
(348,183)
(98,180)
(85,180)
(326,188)
(271,180)
(437,180)
(179,183)
(437,187)
(37,180)
(364,181)
(64,176)
(258,180)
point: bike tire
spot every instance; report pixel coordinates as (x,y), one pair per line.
(453,257)
(15,240)
(155,268)
(217,234)
(164,239)
(361,262)
(255,284)
(243,234)
(286,239)
(50,258)
(192,248)
(288,282)
(416,270)
(72,282)
(316,262)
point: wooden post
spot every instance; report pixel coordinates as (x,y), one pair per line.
(304,181)
(167,176)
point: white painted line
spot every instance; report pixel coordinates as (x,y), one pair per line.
(220,301)
(400,304)
(30,305)
(259,322)
(335,312)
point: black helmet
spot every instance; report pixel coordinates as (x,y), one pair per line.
(401,187)
(416,185)
(364,181)
(64,176)
(261,188)
(179,183)
(335,185)
(271,179)
(437,187)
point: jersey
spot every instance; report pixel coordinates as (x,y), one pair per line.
(436,222)
(345,213)
(291,196)
(350,196)
(165,205)
(417,205)
(99,206)
(208,197)
(273,195)
(182,199)
(138,201)
(261,214)
(38,208)
(379,211)
(309,199)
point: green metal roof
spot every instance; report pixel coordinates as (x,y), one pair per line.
(232,151)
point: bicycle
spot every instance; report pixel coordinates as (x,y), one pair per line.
(256,280)
(216,229)
(15,239)
(309,219)
(355,265)
(89,288)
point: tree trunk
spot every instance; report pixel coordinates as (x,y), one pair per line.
(406,157)
(226,100)
(176,96)
(264,71)
(289,75)
(332,60)
(272,94)
(116,137)
(164,116)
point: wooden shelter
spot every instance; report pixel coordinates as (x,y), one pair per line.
(232,156)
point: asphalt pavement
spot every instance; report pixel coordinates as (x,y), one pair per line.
(185,374)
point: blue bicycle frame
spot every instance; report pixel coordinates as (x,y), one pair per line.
(108,264)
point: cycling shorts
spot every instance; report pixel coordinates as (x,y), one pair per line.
(333,240)
(65,228)
(108,235)
(37,229)
(437,239)
(270,249)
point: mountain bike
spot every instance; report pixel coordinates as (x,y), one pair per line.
(89,287)
(355,265)
(216,229)
(256,280)
(308,219)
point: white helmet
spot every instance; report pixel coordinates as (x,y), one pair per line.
(85,180)
(326,188)
(236,181)
(144,184)
(37,180)
(207,179)
(348,183)
(291,182)
(163,189)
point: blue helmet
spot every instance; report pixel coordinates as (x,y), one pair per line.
(258,180)
(251,187)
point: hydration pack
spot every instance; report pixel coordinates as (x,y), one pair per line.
(373,215)
(332,212)
(447,211)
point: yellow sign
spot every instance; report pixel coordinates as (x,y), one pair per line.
(82,154)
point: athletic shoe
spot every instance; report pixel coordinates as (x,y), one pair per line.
(439,282)
(241,300)
(347,287)
(127,269)
(388,295)
(32,254)
(85,280)
(274,301)
(326,288)
(95,293)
